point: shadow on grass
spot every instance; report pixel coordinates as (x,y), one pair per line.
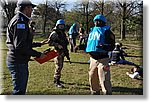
(4,49)
(75,84)
(134,56)
(115,91)
(78,62)
(72,62)
(135,91)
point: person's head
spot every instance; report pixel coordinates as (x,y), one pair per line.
(99,20)
(134,69)
(25,6)
(81,25)
(117,45)
(60,24)
(74,25)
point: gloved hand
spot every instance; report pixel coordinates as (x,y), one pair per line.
(104,46)
(100,46)
(60,47)
(44,42)
(47,50)
(42,55)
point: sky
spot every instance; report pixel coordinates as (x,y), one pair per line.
(41,1)
(116,98)
(69,2)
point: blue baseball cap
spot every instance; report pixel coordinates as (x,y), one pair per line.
(25,3)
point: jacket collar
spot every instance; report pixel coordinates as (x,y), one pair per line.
(28,18)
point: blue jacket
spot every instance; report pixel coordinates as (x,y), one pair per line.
(19,40)
(73,29)
(96,38)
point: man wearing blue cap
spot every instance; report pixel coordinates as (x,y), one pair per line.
(100,41)
(73,33)
(19,43)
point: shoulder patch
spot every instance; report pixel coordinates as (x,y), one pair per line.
(20,26)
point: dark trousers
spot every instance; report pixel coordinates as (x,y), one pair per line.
(126,62)
(19,74)
(73,44)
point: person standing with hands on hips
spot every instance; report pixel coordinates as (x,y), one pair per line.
(19,43)
(101,40)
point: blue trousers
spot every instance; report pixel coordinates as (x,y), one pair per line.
(19,74)
(125,62)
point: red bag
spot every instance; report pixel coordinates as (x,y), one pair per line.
(49,55)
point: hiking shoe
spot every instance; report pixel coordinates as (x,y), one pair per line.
(59,85)
(95,93)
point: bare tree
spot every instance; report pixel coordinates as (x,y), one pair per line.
(8,7)
(83,10)
(86,10)
(49,12)
(57,5)
(45,20)
(99,5)
(127,8)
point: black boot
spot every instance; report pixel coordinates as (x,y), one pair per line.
(95,93)
(57,83)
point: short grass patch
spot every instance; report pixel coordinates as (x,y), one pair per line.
(74,75)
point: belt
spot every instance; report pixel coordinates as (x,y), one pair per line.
(97,55)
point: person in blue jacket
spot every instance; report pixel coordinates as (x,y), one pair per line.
(101,40)
(73,33)
(19,44)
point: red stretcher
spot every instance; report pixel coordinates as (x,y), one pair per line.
(49,55)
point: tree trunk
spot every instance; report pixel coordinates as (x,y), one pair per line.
(9,8)
(45,18)
(102,7)
(123,29)
(87,19)
(123,25)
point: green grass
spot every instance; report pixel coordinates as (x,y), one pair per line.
(75,75)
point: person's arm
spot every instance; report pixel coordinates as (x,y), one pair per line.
(110,40)
(70,32)
(124,53)
(53,40)
(37,44)
(133,76)
(45,41)
(121,55)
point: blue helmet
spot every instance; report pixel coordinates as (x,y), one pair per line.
(60,21)
(99,17)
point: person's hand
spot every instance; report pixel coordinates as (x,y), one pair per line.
(47,50)
(60,47)
(70,40)
(42,55)
(127,73)
(44,42)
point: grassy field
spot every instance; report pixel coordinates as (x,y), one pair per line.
(75,75)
